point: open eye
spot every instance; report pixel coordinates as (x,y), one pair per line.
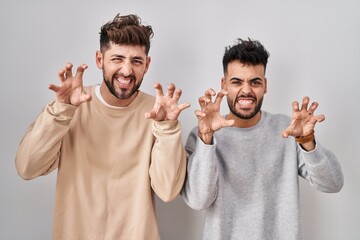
(256,83)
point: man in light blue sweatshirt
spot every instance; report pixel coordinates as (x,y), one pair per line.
(243,169)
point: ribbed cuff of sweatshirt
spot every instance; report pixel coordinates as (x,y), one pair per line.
(169,126)
(203,149)
(61,111)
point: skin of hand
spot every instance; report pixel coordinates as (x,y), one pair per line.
(166,107)
(303,121)
(209,117)
(70,90)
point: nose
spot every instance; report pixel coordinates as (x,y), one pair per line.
(246,88)
(126,69)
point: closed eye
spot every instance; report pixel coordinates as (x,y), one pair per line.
(137,61)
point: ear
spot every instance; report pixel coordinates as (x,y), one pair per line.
(147,64)
(265,89)
(99,59)
(223,85)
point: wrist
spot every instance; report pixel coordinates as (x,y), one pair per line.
(207,138)
(306,142)
(308,146)
(304,139)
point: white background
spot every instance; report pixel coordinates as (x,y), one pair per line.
(314,50)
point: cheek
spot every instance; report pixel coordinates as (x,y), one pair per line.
(260,93)
(139,73)
(108,73)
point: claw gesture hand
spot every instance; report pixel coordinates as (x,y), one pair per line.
(166,107)
(303,120)
(209,117)
(70,90)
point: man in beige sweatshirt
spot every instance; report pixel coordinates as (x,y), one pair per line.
(113,145)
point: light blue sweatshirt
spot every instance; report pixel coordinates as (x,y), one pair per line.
(247,180)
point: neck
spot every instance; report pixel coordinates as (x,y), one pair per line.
(244,123)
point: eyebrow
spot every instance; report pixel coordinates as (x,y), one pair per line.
(121,56)
(239,79)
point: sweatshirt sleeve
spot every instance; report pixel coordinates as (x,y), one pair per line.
(201,188)
(321,168)
(39,149)
(168,160)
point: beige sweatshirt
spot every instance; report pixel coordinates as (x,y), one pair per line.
(110,162)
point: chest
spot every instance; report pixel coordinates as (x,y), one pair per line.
(249,161)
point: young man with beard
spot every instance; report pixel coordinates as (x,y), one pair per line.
(113,145)
(243,169)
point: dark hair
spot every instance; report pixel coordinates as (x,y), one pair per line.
(248,52)
(125,30)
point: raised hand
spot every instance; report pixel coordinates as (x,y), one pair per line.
(166,107)
(209,117)
(70,90)
(303,120)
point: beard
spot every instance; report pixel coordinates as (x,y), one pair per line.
(247,115)
(122,93)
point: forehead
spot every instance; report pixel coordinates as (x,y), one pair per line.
(243,71)
(126,50)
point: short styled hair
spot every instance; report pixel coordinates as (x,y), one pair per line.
(248,52)
(126,30)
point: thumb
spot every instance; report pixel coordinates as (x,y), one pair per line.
(230,122)
(85,97)
(150,115)
(320,118)
(285,133)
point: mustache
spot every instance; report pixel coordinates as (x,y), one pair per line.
(246,96)
(131,76)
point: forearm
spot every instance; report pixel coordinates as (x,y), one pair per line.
(38,151)
(168,164)
(322,169)
(200,189)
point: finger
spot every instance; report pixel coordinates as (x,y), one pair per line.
(61,76)
(203,101)
(177,94)
(295,106)
(183,106)
(199,114)
(305,103)
(68,70)
(229,123)
(286,133)
(220,96)
(171,90)
(150,115)
(85,97)
(313,107)
(320,118)
(158,89)
(80,70)
(53,87)
(209,93)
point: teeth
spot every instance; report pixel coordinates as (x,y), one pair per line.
(123,81)
(245,101)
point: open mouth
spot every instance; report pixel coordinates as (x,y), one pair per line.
(124,82)
(246,103)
